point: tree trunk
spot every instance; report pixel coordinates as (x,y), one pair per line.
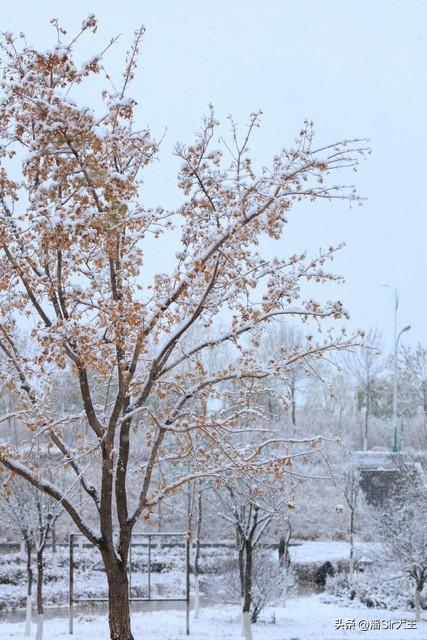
(54,549)
(351,564)
(293,400)
(40,615)
(340,412)
(367,413)
(242,580)
(247,584)
(247,592)
(402,433)
(118,598)
(424,387)
(28,547)
(159,514)
(247,625)
(417,602)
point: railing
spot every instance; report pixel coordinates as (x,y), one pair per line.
(72,600)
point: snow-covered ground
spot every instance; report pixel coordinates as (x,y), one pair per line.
(302,619)
(323,550)
(305,617)
(168,579)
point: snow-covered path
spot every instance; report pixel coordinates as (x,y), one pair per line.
(304,618)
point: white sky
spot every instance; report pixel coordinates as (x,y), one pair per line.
(355,67)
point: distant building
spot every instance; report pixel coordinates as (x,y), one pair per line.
(383,474)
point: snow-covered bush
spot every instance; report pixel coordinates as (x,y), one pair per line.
(374,588)
(270,583)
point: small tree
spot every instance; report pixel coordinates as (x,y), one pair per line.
(401,527)
(351,495)
(412,372)
(270,582)
(17,512)
(32,513)
(365,365)
(251,511)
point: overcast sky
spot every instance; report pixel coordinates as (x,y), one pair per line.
(357,68)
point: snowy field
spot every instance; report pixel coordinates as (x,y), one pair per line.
(305,617)
(302,619)
(323,550)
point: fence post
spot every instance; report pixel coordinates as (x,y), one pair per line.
(149,566)
(130,567)
(187,583)
(71,585)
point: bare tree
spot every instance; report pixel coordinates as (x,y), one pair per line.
(15,510)
(251,511)
(365,365)
(286,339)
(32,513)
(412,370)
(73,232)
(401,527)
(270,582)
(351,494)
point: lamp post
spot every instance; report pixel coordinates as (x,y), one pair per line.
(395,442)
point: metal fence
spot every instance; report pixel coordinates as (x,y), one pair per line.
(72,600)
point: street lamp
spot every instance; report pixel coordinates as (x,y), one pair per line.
(395,442)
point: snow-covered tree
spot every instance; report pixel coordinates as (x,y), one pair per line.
(366,365)
(401,528)
(412,382)
(73,238)
(351,495)
(32,514)
(285,338)
(250,510)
